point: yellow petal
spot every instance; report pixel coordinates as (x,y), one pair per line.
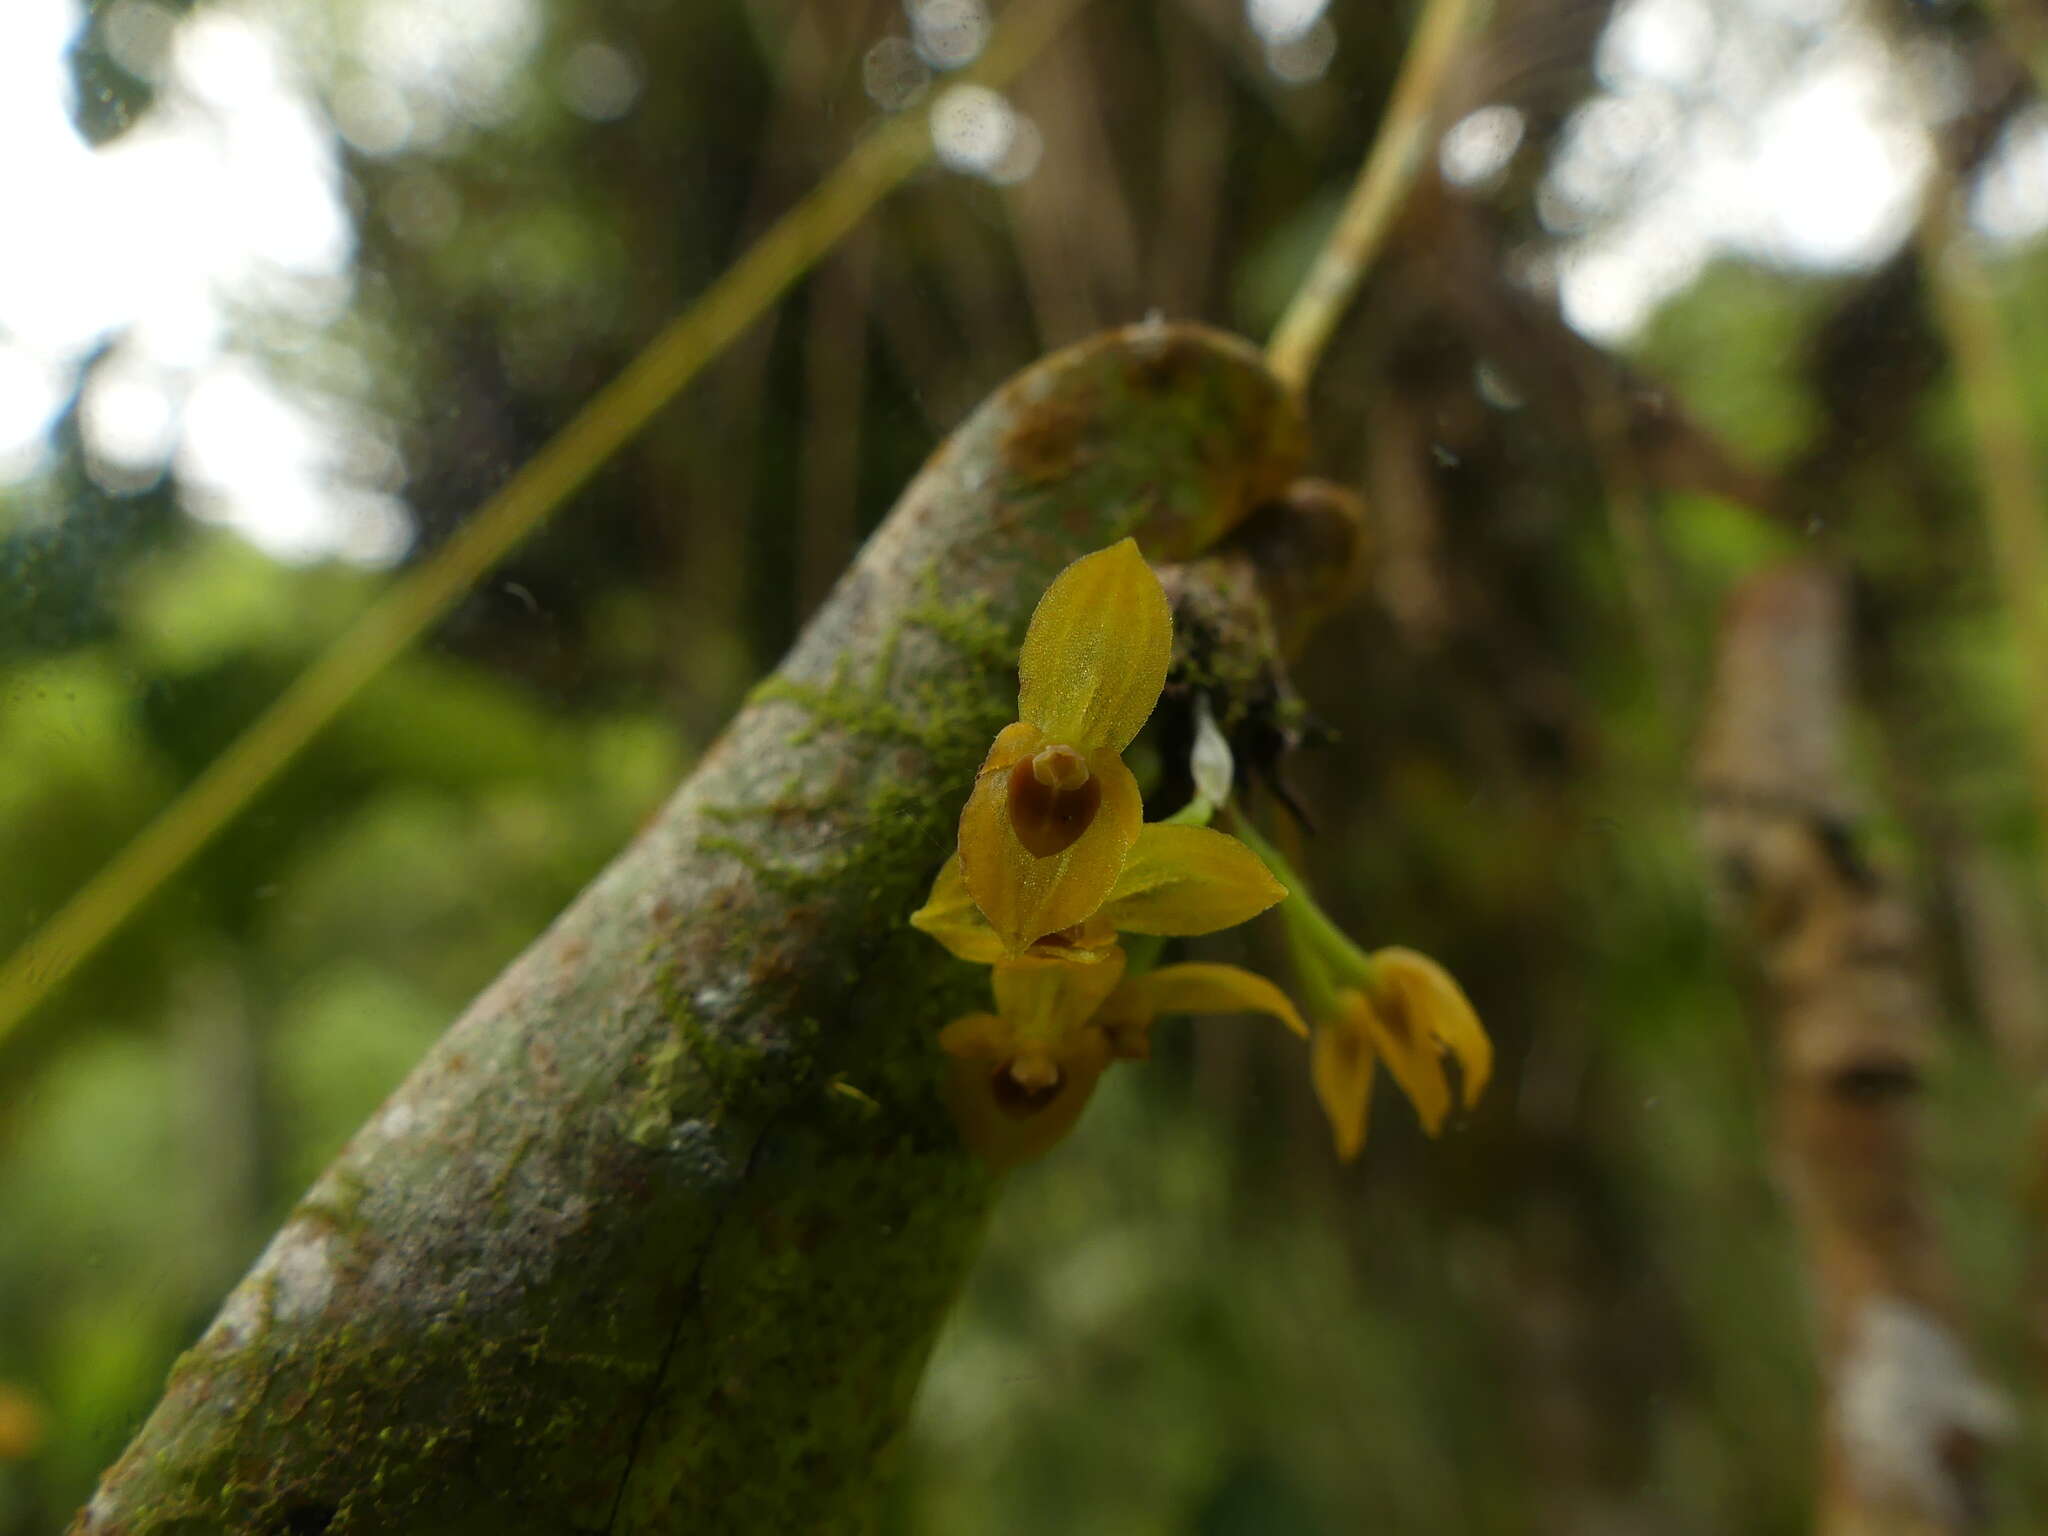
(1409,1049)
(1013,744)
(1095,656)
(1431,995)
(1046,1006)
(1204,988)
(1341,1065)
(950,916)
(1125,1021)
(978,1037)
(1024,897)
(1005,1113)
(1187,880)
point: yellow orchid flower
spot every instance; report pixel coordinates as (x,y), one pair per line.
(1402,1008)
(1054,811)
(1020,1077)
(1176,881)
(1417,1015)
(1394,1006)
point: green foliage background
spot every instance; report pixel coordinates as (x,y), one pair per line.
(1580,1311)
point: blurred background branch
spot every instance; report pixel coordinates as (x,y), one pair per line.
(1906,1422)
(1400,148)
(556,472)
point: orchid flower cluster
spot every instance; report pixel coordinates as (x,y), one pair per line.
(1056,862)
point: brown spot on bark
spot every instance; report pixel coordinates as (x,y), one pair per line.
(1045,441)
(541,1056)
(1160,368)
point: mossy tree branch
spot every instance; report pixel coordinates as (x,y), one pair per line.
(658,1235)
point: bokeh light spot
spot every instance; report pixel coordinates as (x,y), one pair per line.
(600,82)
(894,74)
(1478,147)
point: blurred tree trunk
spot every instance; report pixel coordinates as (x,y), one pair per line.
(1852,1016)
(658,1236)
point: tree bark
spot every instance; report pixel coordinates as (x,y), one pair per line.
(658,1235)
(1853,1026)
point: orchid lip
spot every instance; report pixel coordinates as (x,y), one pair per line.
(1063,938)
(1053,799)
(1026,1086)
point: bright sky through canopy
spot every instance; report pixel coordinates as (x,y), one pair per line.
(1778,131)
(219,212)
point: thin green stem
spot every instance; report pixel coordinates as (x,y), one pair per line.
(1316,922)
(728,307)
(1313,941)
(1398,153)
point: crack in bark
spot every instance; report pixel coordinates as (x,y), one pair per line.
(693,1296)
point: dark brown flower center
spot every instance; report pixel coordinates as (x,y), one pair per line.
(1025,1086)
(1053,800)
